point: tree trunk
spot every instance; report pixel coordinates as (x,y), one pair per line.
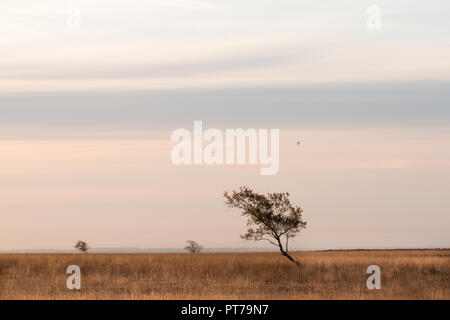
(284,253)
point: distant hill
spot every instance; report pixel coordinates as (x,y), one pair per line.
(178,250)
(138,250)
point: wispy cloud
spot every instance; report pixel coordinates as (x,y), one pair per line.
(180,3)
(142,45)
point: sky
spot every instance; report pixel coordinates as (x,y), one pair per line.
(90,92)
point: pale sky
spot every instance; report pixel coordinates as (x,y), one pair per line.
(87,110)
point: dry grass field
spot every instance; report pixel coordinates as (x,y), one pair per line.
(405,274)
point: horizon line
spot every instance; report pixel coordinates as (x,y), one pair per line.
(137,250)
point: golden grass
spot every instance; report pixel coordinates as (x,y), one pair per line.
(406,274)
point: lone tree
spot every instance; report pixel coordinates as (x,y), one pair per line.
(271,217)
(82,246)
(193,247)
